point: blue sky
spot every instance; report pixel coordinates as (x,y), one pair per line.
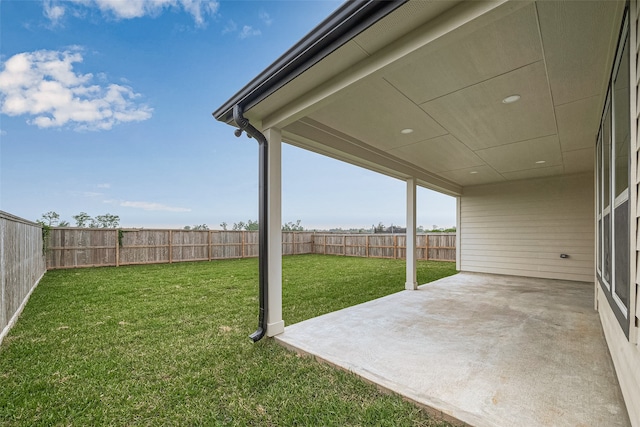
(105,107)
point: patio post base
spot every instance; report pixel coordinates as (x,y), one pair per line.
(276,328)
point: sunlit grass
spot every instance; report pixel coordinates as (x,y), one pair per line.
(168,345)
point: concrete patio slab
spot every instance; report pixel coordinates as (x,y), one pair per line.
(487,350)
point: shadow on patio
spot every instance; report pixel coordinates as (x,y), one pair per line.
(483,349)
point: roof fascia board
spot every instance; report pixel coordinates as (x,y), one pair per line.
(346,22)
(460,15)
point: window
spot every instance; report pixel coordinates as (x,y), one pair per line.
(612,188)
(599,205)
(606,197)
(620,161)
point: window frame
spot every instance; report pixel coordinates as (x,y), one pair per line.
(606,173)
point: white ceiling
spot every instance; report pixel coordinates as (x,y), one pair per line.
(557,55)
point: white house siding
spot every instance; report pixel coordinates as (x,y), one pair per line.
(522,227)
(624,352)
(626,359)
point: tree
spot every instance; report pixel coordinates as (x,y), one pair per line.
(106,221)
(393,229)
(82,219)
(224,226)
(50,219)
(290,226)
(252,226)
(379,228)
(200,227)
(63,224)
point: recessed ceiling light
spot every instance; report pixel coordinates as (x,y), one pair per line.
(539,162)
(511,99)
(472,172)
(406,131)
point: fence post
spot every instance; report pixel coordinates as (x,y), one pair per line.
(366,246)
(209,245)
(170,247)
(117,248)
(344,244)
(426,247)
(395,246)
(242,236)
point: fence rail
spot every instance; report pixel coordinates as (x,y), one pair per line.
(90,247)
(22,265)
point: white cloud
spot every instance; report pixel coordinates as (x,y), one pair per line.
(264,17)
(53,12)
(200,9)
(151,206)
(230,27)
(105,185)
(44,86)
(129,9)
(91,194)
(248,31)
(3,132)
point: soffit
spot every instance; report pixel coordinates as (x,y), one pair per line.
(338,62)
(474,58)
(381,34)
(477,116)
(556,55)
(378,101)
(575,36)
(404,20)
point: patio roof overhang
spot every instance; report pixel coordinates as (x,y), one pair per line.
(443,70)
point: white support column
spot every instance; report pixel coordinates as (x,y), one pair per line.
(412,277)
(275,324)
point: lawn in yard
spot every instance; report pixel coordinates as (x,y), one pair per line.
(168,345)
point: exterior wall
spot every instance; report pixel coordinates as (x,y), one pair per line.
(521,227)
(625,352)
(626,359)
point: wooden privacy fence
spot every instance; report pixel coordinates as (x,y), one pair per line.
(22,266)
(91,247)
(435,246)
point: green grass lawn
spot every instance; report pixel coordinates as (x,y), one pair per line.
(168,345)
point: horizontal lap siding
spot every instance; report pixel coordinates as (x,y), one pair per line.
(521,228)
(624,352)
